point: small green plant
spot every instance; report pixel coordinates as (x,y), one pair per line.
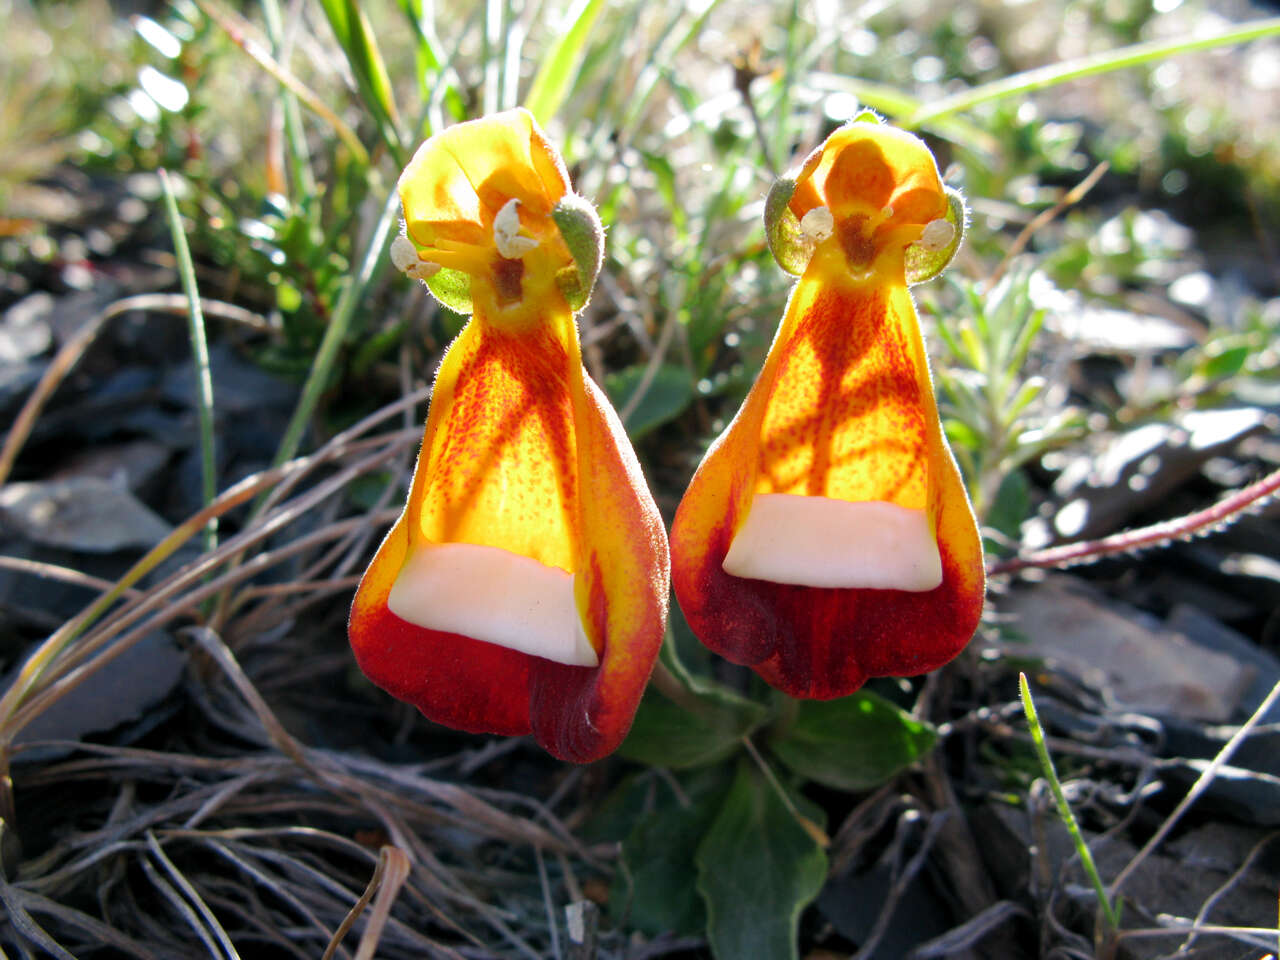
(999,413)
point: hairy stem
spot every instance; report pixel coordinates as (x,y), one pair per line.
(1225,511)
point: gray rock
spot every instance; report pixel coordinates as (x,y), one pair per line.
(84,514)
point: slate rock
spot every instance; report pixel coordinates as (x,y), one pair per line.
(1124,474)
(121,696)
(1133,661)
(84,514)
(238,387)
(130,466)
(25,331)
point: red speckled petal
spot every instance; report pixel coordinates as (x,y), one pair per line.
(454,680)
(843,408)
(582,714)
(523,452)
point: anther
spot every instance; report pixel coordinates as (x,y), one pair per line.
(404,256)
(937,235)
(506,232)
(817,224)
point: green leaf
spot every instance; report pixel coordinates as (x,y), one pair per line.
(1011,506)
(757,868)
(664,397)
(656,892)
(1221,362)
(560,63)
(612,820)
(665,734)
(706,725)
(855,743)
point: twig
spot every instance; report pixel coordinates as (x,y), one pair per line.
(1224,512)
(1069,199)
(1200,786)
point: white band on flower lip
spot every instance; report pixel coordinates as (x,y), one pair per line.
(824,542)
(493,595)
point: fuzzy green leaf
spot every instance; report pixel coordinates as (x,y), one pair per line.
(656,892)
(665,396)
(855,743)
(757,869)
(666,735)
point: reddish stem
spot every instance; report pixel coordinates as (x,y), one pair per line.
(1220,514)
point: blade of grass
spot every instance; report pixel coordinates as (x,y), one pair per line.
(492,54)
(429,59)
(351,28)
(552,82)
(894,102)
(336,332)
(512,52)
(304,183)
(783,118)
(239,31)
(199,356)
(1054,74)
(1064,808)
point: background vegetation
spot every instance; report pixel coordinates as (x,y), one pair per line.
(215,383)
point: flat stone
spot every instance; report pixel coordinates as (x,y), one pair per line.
(25,332)
(1133,661)
(84,514)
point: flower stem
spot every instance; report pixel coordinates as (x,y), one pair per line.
(1225,511)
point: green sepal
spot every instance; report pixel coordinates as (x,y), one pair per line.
(925,264)
(583,234)
(453,289)
(782,227)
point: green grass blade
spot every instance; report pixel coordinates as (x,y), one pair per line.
(492,55)
(304,181)
(1064,809)
(199,357)
(355,36)
(336,332)
(554,78)
(1054,74)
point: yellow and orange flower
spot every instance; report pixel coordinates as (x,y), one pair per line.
(827,537)
(525,586)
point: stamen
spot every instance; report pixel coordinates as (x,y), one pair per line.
(506,232)
(424,270)
(405,258)
(404,255)
(817,224)
(937,235)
